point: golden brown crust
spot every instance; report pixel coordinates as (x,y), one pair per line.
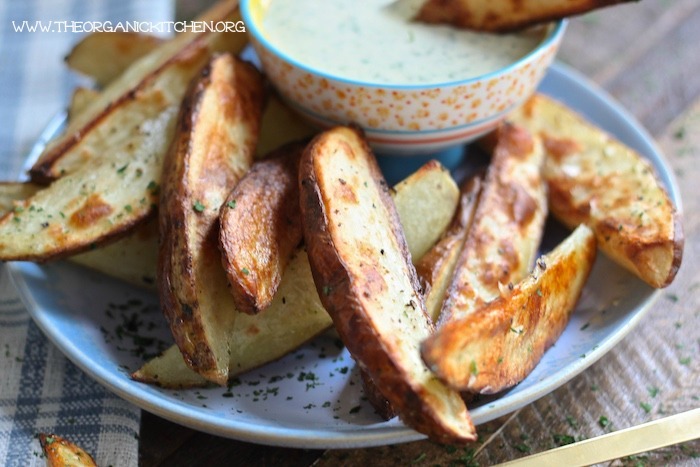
(503,239)
(60,452)
(499,344)
(214,146)
(124,90)
(261,227)
(504,15)
(362,270)
(436,267)
(597,180)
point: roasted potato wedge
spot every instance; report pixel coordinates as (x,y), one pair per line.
(505,234)
(363,274)
(213,148)
(260,227)
(504,15)
(60,452)
(105,55)
(296,314)
(436,267)
(131,259)
(498,345)
(111,173)
(597,180)
(106,196)
(119,120)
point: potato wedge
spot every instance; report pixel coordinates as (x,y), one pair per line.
(106,196)
(105,55)
(60,452)
(504,15)
(502,242)
(296,314)
(498,345)
(363,274)
(213,148)
(12,195)
(436,267)
(597,180)
(118,117)
(260,227)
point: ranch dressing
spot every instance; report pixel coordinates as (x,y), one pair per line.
(376,41)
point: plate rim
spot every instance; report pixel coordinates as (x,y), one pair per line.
(366,436)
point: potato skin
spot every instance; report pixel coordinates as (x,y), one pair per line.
(504,15)
(260,227)
(214,146)
(354,299)
(597,180)
(498,345)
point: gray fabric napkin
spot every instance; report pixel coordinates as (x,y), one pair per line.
(40,390)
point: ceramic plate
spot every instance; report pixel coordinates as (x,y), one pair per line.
(312,398)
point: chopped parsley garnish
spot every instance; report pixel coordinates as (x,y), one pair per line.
(198,206)
(231,204)
(563,440)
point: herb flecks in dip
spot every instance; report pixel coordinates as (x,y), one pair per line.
(377,41)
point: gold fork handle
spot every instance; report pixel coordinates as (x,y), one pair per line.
(646,437)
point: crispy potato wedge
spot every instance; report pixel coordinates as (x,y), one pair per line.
(105,55)
(504,15)
(60,452)
(106,196)
(213,148)
(363,274)
(132,259)
(119,117)
(80,100)
(436,267)
(597,180)
(260,227)
(12,195)
(296,314)
(498,345)
(505,234)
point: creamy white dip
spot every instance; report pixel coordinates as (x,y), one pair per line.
(377,41)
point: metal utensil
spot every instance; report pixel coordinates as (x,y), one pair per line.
(641,438)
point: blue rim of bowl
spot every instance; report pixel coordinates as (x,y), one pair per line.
(557,31)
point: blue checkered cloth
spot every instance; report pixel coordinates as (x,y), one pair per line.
(40,390)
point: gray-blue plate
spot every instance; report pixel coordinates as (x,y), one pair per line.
(312,398)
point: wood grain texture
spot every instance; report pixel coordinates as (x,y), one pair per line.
(645,54)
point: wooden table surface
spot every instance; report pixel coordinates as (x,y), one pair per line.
(647,56)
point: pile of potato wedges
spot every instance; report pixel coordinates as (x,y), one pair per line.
(185,172)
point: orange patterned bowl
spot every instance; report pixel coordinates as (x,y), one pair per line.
(403,119)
